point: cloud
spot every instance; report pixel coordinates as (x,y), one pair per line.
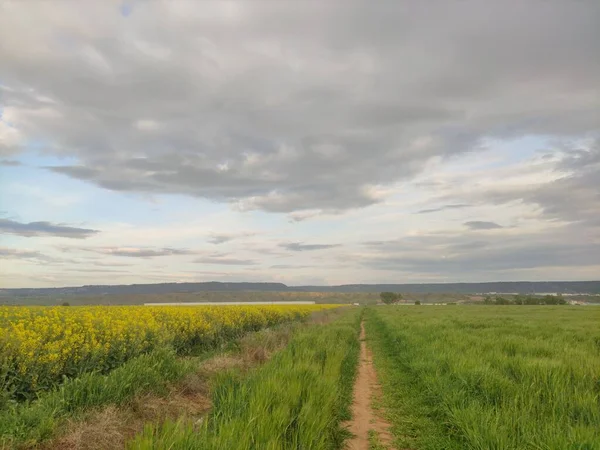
(94,270)
(401,127)
(225,261)
(259,114)
(457,255)
(219,239)
(288,267)
(482,225)
(9,163)
(223,238)
(300,247)
(11,140)
(36,229)
(13,253)
(301,216)
(574,197)
(109,264)
(139,252)
(443,208)
(566,191)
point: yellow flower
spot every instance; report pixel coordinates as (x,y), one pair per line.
(43,344)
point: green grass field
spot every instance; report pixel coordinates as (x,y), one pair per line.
(452,377)
(489,378)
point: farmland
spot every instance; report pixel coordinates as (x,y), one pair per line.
(489,377)
(45,349)
(282,377)
(40,346)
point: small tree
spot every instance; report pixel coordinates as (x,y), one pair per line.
(388,297)
(418,302)
(502,301)
(65,304)
(554,300)
(531,300)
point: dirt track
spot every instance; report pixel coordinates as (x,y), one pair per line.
(364,418)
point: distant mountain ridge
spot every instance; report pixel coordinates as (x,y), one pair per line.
(523,287)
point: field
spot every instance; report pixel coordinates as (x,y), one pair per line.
(477,377)
(364,298)
(41,346)
(290,377)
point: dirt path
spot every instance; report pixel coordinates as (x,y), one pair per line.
(364,418)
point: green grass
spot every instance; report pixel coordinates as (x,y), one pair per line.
(29,423)
(374,441)
(489,378)
(297,400)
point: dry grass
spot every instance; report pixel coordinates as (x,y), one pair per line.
(102,430)
(111,427)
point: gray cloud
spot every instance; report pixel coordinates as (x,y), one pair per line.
(254,111)
(515,259)
(9,163)
(6,253)
(288,266)
(300,247)
(139,252)
(225,261)
(573,196)
(458,255)
(34,229)
(482,225)
(223,238)
(219,239)
(576,196)
(93,270)
(238,104)
(111,264)
(443,208)
(301,216)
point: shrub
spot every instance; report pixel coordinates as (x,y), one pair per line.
(390,297)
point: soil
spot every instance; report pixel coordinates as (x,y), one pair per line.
(364,417)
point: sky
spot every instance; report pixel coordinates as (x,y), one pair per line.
(299,142)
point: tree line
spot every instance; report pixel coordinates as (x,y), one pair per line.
(526,300)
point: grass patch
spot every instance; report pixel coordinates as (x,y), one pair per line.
(374,441)
(297,400)
(110,427)
(489,378)
(25,424)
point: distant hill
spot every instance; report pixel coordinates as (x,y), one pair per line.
(523,287)
(134,289)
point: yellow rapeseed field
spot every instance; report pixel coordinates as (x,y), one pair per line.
(40,346)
